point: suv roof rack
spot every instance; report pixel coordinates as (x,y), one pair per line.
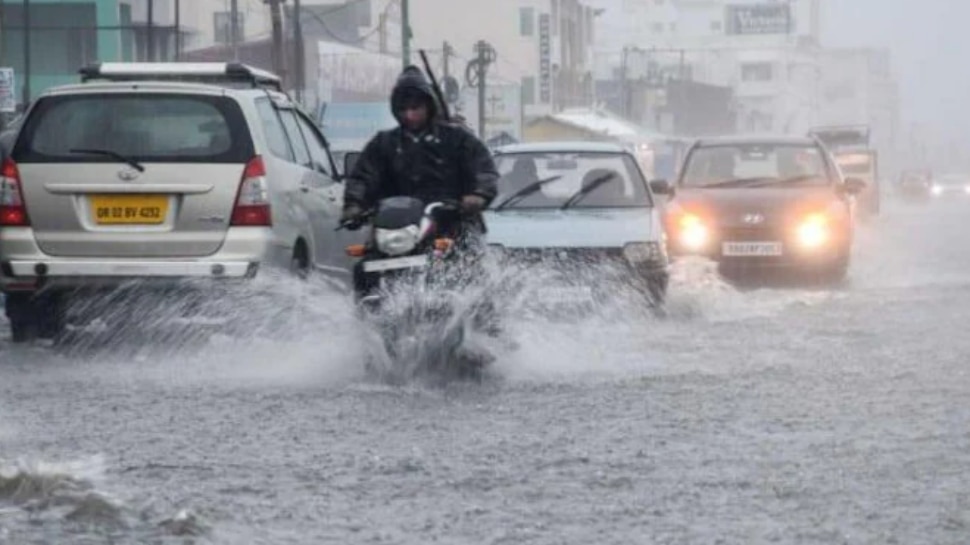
(219,73)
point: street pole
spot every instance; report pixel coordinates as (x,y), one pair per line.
(405,32)
(446,52)
(234,28)
(178,30)
(299,53)
(625,82)
(26,52)
(277,20)
(151,31)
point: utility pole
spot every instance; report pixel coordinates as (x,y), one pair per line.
(276,17)
(178,30)
(625,82)
(26,74)
(406,32)
(150,30)
(234,28)
(300,74)
(446,53)
(476,74)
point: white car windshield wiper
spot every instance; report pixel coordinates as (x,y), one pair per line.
(106,152)
(589,188)
(525,192)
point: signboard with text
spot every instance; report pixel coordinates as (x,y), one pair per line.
(8,91)
(759,19)
(545,59)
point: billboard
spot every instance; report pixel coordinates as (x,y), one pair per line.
(759,19)
(503,110)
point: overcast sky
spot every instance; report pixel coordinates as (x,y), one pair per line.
(930,41)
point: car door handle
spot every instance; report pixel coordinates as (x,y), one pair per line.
(304,188)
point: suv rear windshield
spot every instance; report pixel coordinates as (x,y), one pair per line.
(145,127)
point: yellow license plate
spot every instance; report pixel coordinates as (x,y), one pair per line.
(129,209)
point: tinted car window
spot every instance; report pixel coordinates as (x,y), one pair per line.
(273,129)
(297,142)
(318,152)
(720,164)
(573,170)
(144,127)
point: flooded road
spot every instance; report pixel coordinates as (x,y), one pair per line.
(770,416)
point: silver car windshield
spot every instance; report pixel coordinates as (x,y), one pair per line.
(755,165)
(568,173)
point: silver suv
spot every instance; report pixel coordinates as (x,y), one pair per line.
(160,171)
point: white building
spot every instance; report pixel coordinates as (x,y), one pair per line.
(766,52)
(543,45)
(858,88)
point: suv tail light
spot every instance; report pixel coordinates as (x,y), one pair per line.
(13,212)
(252,207)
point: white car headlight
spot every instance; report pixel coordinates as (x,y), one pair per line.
(397,241)
(643,252)
(813,232)
(937,190)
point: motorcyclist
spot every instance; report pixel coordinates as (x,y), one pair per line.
(425,157)
(431,159)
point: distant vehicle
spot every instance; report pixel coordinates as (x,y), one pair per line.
(850,147)
(758,203)
(160,172)
(915,185)
(951,185)
(575,204)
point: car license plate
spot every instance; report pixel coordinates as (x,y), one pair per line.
(129,209)
(409,262)
(751,249)
(569,295)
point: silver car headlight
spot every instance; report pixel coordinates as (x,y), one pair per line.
(643,252)
(397,241)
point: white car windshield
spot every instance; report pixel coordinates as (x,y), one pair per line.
(755,165)
(612,180)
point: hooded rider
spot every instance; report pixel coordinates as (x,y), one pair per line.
(425,157)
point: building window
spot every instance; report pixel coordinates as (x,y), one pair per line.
(223,27)
(756,71)
(527,21)
(528,90)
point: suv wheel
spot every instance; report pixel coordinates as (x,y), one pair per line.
(21,314)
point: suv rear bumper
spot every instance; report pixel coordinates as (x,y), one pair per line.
(24,267)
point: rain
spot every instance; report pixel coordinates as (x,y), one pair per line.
(192,371)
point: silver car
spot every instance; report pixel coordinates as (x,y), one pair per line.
(161,172)
(572,205)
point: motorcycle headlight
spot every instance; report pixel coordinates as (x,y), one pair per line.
(814,231)
(643,252)
(397,241)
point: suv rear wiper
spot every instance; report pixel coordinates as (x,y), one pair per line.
(590,187)
(525,192)
(134,164)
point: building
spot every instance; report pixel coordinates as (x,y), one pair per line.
(543,45)
(858,88)
(766,52)
(67,34)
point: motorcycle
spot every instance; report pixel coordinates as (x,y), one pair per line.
(408,286)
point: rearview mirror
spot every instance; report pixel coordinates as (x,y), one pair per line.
(854,186)
(660,187)
(350,161)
